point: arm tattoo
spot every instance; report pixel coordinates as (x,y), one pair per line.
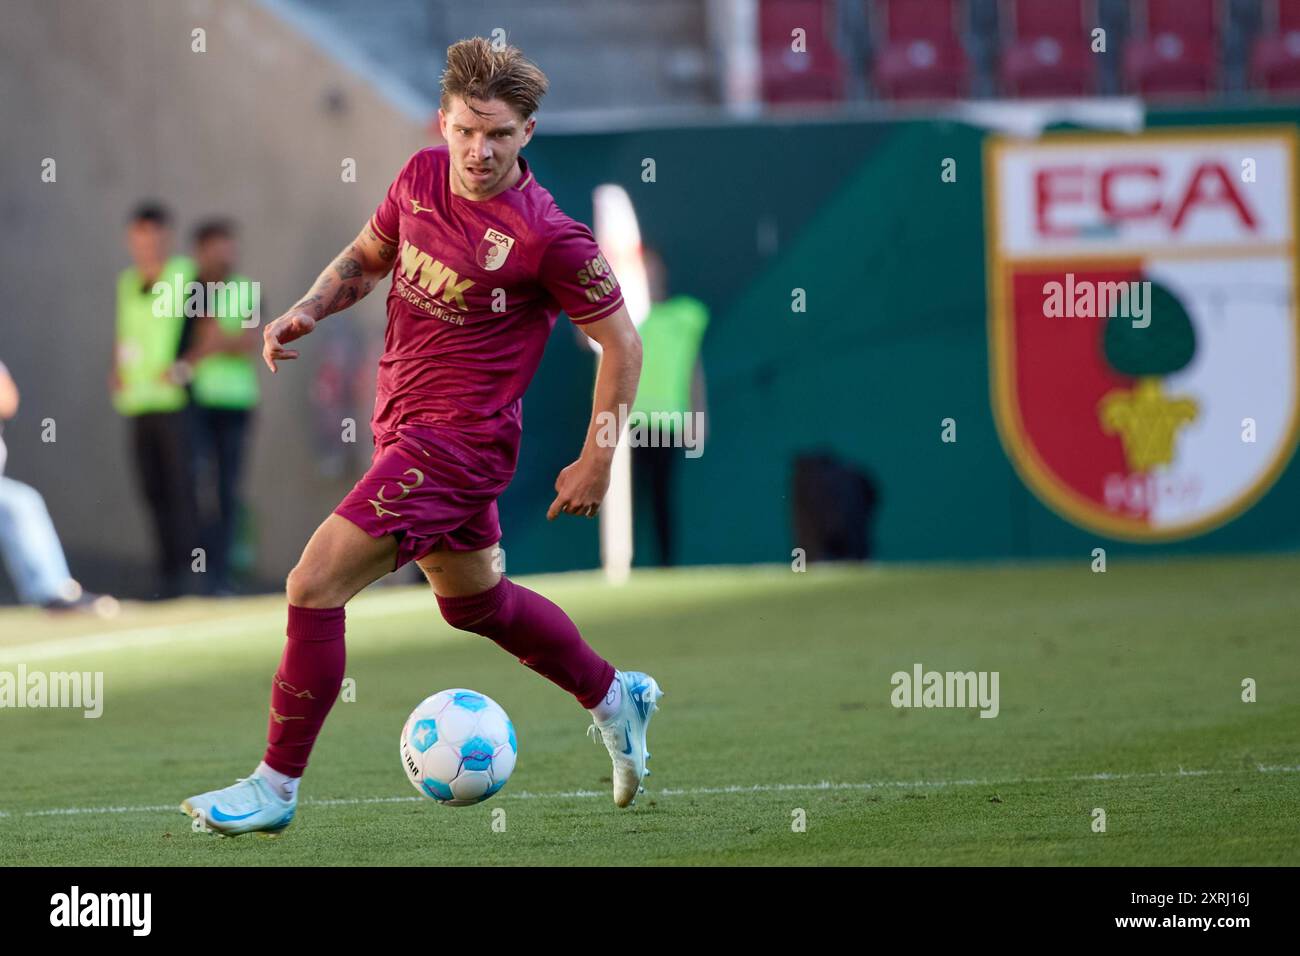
(347,267)
(342,283)
(343,298)
(309,304)
(386,250)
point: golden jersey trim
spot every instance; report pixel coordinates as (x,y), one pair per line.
(380,233)
(598,314)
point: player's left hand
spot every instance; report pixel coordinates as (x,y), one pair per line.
(580,489)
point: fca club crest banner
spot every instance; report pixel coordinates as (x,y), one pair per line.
(1143,337)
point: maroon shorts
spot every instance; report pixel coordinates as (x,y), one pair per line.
(426,497)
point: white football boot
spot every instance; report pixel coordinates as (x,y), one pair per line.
(624,734)
(247,806)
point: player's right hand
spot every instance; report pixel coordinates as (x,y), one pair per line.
(294,324)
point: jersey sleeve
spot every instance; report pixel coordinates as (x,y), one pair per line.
(578,278)
(387,218)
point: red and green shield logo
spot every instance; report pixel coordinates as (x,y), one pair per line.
(1143,336)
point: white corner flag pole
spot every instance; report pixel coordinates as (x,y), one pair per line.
(619,238)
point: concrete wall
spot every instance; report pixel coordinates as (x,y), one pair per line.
(257,128)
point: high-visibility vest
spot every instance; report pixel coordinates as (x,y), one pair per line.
(670,344)
(225,380)
(149,325)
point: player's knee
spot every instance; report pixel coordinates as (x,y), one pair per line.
(464,619)
(478,613)
(309,587)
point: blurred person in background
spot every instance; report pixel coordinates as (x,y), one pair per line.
(28,541)
(671,388)
(148,387)
(223,388)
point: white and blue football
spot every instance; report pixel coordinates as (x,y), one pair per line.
(458,747)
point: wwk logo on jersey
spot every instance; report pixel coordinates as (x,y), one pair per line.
(419,268)
(493,249)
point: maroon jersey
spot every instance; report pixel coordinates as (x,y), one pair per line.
(476,291)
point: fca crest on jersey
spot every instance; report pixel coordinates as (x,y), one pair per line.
(493,249)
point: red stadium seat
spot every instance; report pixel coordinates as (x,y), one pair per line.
(815,75)
(1174,50)
(919,53)
(1047,48)
(1275,59)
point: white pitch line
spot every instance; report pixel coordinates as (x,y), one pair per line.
(1103,777)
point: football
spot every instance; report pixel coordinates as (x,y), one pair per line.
(458,747)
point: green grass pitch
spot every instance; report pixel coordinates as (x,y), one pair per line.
(1120,691)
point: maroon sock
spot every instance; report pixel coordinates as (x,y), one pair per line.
(305,687)
(538,633)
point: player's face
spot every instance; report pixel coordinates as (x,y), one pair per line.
(484,143)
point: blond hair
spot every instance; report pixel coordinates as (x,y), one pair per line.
(476,70)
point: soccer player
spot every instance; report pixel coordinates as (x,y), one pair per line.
(485,261)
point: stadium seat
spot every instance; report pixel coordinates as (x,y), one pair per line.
(920,53)
(1047,48)
(1275,60)
(815,75)
(1174,49)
